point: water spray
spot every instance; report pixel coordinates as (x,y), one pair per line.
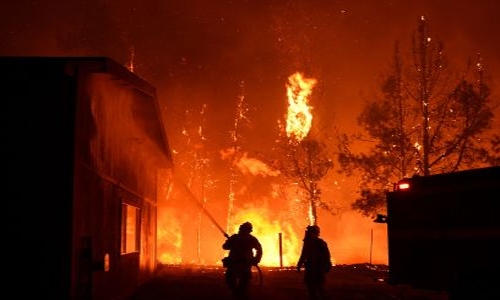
(190,194)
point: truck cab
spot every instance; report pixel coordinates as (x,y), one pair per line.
(444,232)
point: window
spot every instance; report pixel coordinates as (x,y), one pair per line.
(130,229)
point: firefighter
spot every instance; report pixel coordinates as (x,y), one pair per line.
(315,258)
(245,251)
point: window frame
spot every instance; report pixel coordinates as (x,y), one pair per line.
(129,241)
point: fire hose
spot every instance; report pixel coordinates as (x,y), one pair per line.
(207,213)
(202,207)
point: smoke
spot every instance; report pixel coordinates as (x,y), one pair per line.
(255,167)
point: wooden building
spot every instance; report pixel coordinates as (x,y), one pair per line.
(89,160)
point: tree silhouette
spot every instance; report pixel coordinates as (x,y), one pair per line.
(297,156)
(424,122)
(304,162)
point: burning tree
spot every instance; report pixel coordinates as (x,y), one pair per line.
(194,163)
(302,159)
(424,123)
(235,152)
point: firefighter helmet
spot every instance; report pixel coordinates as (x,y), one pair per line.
(246,227)
(313,229)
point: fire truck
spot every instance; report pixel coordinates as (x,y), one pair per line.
(444,233)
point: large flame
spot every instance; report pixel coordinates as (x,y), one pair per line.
(277,236)
(280,242)
(169,237)
(299,117)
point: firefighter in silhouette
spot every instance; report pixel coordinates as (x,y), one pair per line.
(316,261)
(245,251)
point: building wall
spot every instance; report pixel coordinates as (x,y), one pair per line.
(85,137)
(118,161)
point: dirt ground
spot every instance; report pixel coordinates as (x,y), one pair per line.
(348,282)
